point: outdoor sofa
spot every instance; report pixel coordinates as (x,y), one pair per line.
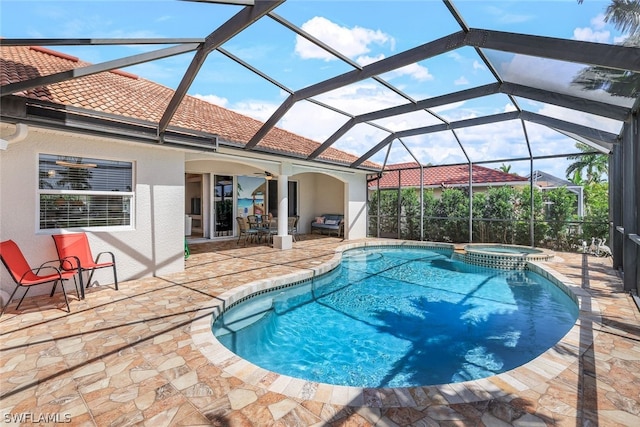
(331,223)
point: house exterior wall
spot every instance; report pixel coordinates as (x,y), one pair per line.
(347,194)
(330,193)
(307,199)
(154,245)
(356,200)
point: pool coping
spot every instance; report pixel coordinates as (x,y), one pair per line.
(530,375)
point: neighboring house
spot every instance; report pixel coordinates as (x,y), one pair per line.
(83,154)
(546,182)
(436,178)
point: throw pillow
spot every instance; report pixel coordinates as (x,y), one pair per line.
(320,220)
(330,222)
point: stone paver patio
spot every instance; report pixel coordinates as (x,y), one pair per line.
(139,356)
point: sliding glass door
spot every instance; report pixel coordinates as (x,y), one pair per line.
(223,200)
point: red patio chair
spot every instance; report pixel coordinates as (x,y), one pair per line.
(25,276)
(75,256)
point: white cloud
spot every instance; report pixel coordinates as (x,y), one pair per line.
(580,118)
(415,71)
(455,56)
(509,108)
(213,99)
(506,17)
(589,35)
(461,81)
(595,32)
(366,59)
(352,42)
(598,21)
(477,65)
(258,109)
(620,39)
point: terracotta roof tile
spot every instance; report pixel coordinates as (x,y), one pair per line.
(435,176)
(122,93)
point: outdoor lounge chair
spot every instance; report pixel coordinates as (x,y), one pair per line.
(25,276)
(75,255)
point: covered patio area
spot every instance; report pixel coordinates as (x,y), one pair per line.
(129,357)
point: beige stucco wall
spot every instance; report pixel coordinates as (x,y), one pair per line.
(333,193)
(155,243)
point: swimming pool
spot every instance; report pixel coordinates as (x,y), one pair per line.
(399,318)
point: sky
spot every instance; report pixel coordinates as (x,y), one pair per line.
(363,32)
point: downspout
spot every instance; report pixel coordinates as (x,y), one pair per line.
(21,133)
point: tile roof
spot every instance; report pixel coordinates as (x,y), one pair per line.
(120,93)
(436,176)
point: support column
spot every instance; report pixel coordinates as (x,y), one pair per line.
(283,240)
(616,231)
(630,148)
(532,229)
(635,137)
(470,239)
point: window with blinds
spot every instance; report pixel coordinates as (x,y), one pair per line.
(80,192)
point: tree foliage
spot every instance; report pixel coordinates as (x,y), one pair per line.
(625,16)
(587,168)
(500,215)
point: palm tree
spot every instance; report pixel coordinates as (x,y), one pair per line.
(624,15)
(592,164)
(505,168)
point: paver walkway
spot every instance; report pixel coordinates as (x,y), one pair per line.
(128,357)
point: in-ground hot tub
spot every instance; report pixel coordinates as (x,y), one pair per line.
(511,257)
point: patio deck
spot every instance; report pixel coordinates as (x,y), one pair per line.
(128,357)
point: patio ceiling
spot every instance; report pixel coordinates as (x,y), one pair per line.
(589,89)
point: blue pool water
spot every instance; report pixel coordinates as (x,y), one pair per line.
(399,318)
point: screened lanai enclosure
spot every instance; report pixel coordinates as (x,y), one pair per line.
(531,101)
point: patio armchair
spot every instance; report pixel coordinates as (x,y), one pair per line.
(252,221)
(273,228)
(245,231)
(25,277)
(292,223)
(75,256)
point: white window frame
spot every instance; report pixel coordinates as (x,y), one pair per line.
(80,194)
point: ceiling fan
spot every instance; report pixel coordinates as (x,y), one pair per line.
(267,175)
